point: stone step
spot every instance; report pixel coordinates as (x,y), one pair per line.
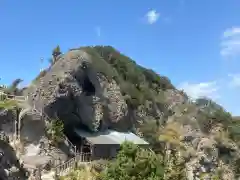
(48,176)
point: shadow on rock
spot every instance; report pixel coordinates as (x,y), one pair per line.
(10,159)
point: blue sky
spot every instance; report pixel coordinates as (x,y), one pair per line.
(195,43)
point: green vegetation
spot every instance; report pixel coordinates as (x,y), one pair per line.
(145,91)
(55,53)
(13,88)
(100,64)
(55,131)
(137,83)
(8,104)
(81,173)
(134,163)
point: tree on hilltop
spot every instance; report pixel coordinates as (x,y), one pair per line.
(55,53)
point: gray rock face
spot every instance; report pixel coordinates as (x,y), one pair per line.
(8,160)
(78,94)
(74,94)
(7,121)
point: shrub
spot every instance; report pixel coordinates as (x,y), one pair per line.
(55,131)
(134,162)
(100,65)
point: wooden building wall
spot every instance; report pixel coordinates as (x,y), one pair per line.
(104,151)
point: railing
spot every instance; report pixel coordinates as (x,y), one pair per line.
(3,96)
(66,167)
(19,98)
(73,147)
(83,157)
(67,141)
(10,96)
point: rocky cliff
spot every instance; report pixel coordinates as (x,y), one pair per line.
(98,87)
(76,93)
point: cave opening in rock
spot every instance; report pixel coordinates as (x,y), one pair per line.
(81,144)
(71,135)
(61,86)
(88,87)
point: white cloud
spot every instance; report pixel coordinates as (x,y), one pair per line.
(230,45)
(152,16)
(235,80)
(98,31)
(204,89)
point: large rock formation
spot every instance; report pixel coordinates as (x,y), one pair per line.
(76,93)
(97,88)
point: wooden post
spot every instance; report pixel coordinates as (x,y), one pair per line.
(16,128)
(18,123)
(81,148)
(92,152)
(75,149)
(39,173)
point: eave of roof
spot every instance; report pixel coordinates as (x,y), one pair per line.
(110,137)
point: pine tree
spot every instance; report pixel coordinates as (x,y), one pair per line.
(55,53)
